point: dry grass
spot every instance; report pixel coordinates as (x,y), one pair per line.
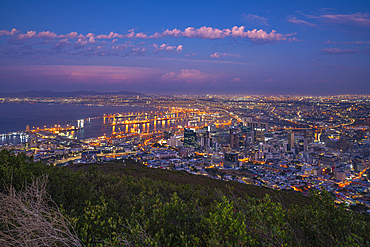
(27,219)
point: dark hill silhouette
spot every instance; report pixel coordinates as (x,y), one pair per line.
(48,93)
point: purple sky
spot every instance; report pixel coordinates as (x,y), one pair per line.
(188,47)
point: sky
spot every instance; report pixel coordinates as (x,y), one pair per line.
(186,47)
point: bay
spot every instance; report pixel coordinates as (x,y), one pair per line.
(15,117)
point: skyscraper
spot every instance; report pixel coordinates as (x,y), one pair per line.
(309,135)
(290,140)
(190,138)
(234,138)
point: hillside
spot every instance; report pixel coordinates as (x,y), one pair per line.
(116,205)
(183,178)
(50,94)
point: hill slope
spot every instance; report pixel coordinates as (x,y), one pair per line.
(184,178)
(132,205)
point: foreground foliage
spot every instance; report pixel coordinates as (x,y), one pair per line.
(118,210)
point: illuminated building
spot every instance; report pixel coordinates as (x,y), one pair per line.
(260,125)
(309,135)
(231,157)
(259,135)
(80,124)
(234,138)
(190,138)
(327,160)
(290,140)
(167,134)
(223,138)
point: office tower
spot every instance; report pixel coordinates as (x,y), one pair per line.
(309,135)
(290,140)
(190,138)
(231,157)
(167,134)
(259,135)
(234,138)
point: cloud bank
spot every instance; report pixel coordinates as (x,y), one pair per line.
(254,35)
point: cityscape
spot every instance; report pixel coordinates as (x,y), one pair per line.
(185,123)
(294,143)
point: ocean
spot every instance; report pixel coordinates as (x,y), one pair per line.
(15,117)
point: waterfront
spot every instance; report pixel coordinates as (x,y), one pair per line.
(15,117)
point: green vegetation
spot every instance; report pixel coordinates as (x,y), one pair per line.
(132,205)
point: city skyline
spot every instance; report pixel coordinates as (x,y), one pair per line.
(162,47)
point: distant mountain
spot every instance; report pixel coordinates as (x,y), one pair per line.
(47,93)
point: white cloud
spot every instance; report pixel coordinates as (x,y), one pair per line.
(167,48)
(222,54)
(256,36)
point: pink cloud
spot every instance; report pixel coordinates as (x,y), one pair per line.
(190,32)
(255,19)
(263,35)
(215,55)
(174,33)
(72,35)
(268,80)
(167,48)
(236,80)
(46,35)
(301,22)
(28,35)
(86,74)
(62,43)
(83,42)
(187,75)
(218,55)
(357,42)
(359,19)
(215,33)
(205,33)
(343,51)
(6,32)
(191,54)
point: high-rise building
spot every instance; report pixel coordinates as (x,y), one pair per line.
(290,140)
(223,138)
(234,138)
(309,135)
(231,157)
(203,138)
(27,128)
(260,125)
(167,134)
(190,138)
(260,135)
